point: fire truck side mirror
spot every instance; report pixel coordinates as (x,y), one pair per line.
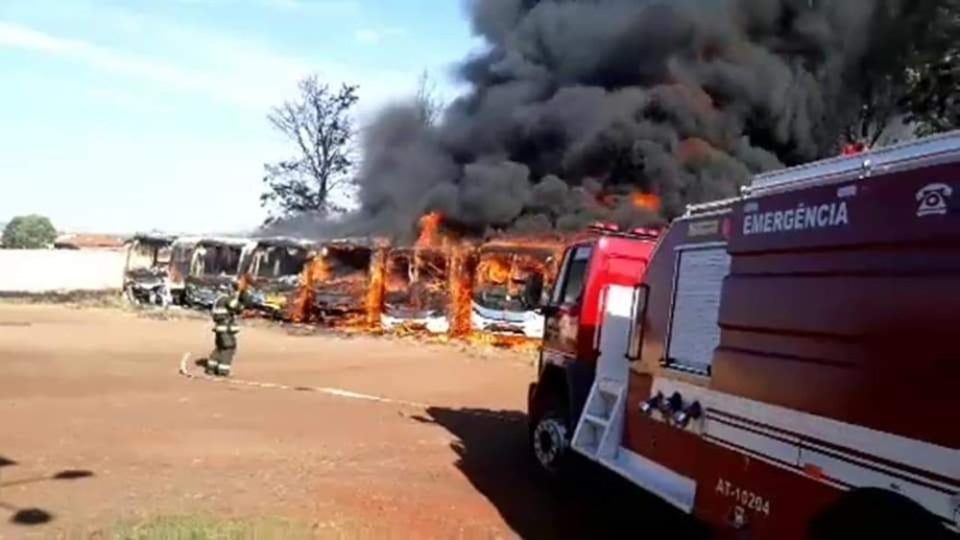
(533,291)
(635,341)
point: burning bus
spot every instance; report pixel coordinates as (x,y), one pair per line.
(336,281)
(503,269)
(416,290)
(147,268)
(273,267)
(214,267)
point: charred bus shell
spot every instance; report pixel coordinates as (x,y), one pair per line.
(147,270)
(214,267)
(273,267)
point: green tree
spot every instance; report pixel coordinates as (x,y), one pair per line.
(29,232)
(911,72)
(319,123)
(933,97)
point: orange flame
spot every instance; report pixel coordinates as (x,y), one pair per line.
(438,267)
(397,275)
(494,270)
(315,271)
(430,229)
(646,201)
(375,289)
(321,269)
(461,292)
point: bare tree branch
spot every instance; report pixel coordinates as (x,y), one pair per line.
(320,125)
(429,104)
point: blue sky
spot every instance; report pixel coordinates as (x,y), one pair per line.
(119,116)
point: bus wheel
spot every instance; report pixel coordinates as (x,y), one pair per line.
(550,436)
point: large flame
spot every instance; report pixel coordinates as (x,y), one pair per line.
(440,272)
(316,270)
(461,291)
(376,289)
(430,230)
(494,270)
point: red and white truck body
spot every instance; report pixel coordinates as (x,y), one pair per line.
(785,357)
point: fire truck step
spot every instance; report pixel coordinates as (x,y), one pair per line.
(610,387)
(602,422)
(598,432)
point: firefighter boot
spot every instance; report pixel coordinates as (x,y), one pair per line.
(226,346)
(210,366)
(226,360)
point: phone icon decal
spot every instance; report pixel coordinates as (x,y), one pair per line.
(933,200)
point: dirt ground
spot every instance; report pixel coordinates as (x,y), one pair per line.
(97,427)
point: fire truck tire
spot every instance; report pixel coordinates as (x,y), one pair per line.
(549,438)
(876,513)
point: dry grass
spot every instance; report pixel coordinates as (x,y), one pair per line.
(78,299)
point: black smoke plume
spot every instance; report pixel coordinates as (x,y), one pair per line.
(576,104)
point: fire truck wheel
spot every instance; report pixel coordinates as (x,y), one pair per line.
(550,438)
(876,513)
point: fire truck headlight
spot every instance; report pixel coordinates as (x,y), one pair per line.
(648,406)
(674,404)
(693,412)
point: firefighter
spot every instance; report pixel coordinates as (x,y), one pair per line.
(224,313)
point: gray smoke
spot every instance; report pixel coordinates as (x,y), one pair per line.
(575,104)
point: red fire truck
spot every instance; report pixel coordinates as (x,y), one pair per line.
(781,365)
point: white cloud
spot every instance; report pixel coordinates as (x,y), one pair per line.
(22,37)
(374,36)
(225,69)
(193,67)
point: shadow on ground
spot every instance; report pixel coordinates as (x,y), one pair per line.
(592,503)
(29,516)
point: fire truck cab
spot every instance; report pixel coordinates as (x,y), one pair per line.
(571,338)
(787,364)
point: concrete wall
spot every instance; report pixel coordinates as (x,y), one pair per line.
(39,271)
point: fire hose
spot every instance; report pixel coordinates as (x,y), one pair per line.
(338,392)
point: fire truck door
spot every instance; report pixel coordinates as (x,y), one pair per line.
(562,314)
(662,449)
